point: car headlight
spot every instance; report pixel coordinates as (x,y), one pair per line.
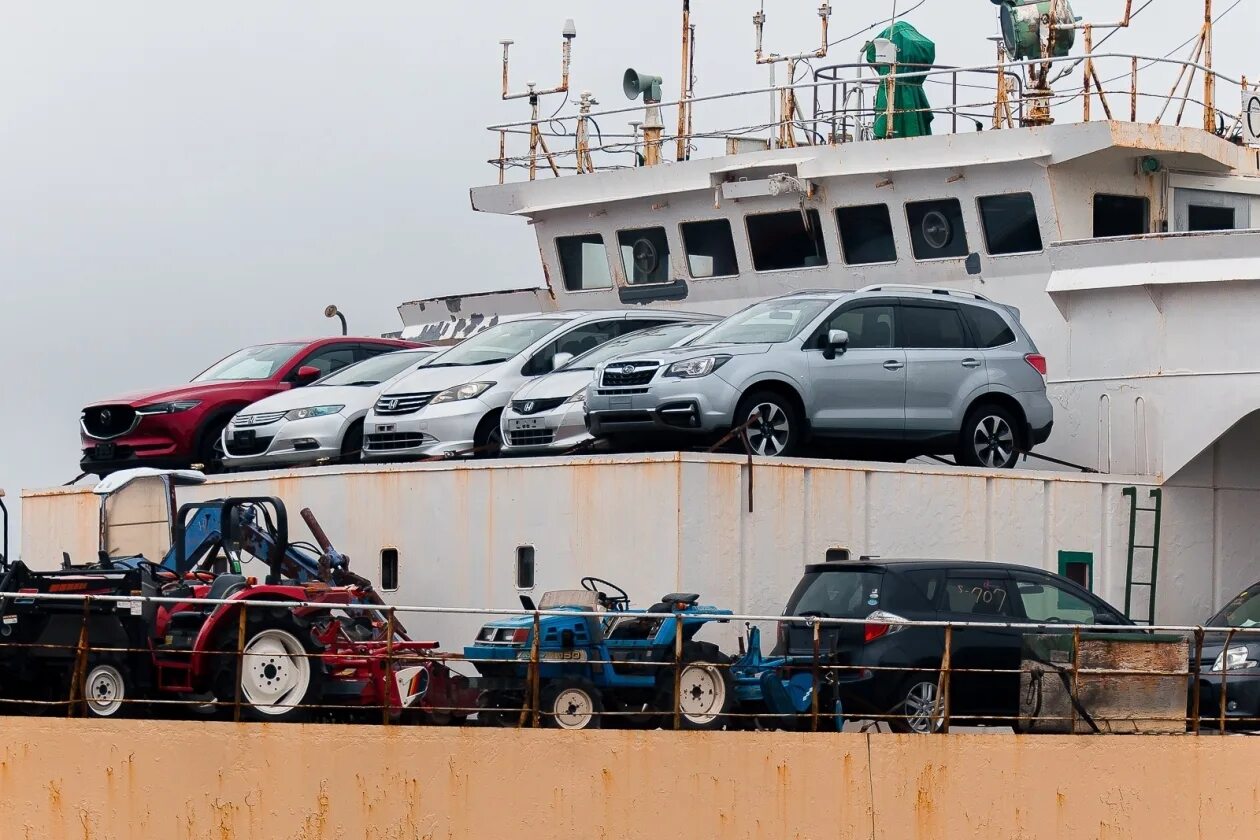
(694,368)
(168,407)
(1233,659)
(467,391)
(313,411)
(579,397)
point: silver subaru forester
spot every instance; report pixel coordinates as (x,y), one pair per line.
(924,370)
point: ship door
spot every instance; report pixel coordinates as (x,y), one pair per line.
(1203,210)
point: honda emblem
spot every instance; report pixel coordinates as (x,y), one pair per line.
(528,408)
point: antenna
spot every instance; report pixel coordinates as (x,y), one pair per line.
(784,101)
(531,92)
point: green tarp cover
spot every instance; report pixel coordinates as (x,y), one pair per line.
(910,115)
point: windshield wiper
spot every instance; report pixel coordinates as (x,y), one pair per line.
(366,382)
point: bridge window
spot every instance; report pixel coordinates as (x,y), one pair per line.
(389,569)
(584,262)
(936,229)
(710,248)
(645,255)
(1121,215)
(866,234)
(524,567)
(1010,223)
(792,239)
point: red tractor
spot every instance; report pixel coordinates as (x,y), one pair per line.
(305,652)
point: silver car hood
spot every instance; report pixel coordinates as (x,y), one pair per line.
(560,383)
(697,351)
(428,379)
(354,397)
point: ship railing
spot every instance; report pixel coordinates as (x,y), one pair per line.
(1072,678)
(1121,87)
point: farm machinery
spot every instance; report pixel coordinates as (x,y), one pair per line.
(586,659)
(322,640)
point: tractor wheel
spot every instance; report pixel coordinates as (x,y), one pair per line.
(571,704)
(498,708)
(107,689)
(705,694)
(281,673)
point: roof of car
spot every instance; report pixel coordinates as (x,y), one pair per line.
(902,563)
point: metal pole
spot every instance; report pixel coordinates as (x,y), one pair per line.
(532,677)
(943,682)
(388,674)
(1197,671)
(534,703)
(1089,69)
(534,134)
(814,693)
(677,672)
(80,665)
(1076,672)
(1133,91)
(1209,77)
(1229,637)
(686,80)
(240,662)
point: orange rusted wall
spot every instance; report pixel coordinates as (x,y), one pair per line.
(175,780)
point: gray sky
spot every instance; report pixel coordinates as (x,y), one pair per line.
(183,179)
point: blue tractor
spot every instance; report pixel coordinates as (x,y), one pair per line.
(618,667)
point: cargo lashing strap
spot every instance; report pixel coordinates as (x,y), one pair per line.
(1034,686)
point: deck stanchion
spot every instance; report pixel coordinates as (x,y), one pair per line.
(1076,673)
(677,672)
(942,692)
(390,623)
(240,662)
(1229,637)
(814,693)
(79,674)
(1196,692)
(534,688)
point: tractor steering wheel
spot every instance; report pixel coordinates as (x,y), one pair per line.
(159,571)
(617,603)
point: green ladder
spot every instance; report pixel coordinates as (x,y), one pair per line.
(1130,583)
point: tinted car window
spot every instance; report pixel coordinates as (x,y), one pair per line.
(988,327)
(330,359)
(771,321)
(837,594)
(978,595)
(1242,611)
(930,327)
(1046,600)
(575,342)
(868,326)
(376,370)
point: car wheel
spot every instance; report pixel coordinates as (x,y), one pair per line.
(352,445)
(210,450)
(498,709)
(918,712)
(989,438)
(571,704)
(489,437)
(774,425)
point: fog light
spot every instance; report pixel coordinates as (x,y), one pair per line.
(303,444)
(1232,706)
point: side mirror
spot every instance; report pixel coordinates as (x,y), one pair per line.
(837,342)
(305,375)
(560,360)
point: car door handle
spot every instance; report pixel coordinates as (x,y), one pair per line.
(893,364)
(971,363)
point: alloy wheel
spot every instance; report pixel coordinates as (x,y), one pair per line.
(770,434)
(994,441)
(920,710)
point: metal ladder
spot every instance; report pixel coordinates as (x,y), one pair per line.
(1157,499)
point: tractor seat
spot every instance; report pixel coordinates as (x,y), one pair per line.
(666,604)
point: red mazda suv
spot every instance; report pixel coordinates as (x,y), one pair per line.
(175,428)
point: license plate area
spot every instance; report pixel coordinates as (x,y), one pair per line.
(245,436)
(524,424)
(385,429)
(104,451)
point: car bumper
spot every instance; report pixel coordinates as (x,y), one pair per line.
(1040,416)
(698,406)
(154,441)
(433,430)
(558,430)
(1242,698)
(285,442)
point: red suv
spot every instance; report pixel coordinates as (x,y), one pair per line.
(178,427)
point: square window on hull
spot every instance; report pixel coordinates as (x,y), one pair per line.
(710,248)
(1010,224)
(866,234)
(936,229)
(1121,215)
(791,239)
(644,255)
(583,262)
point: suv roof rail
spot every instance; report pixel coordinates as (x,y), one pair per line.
(935,290)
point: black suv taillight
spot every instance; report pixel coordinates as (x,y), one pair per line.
(880,624)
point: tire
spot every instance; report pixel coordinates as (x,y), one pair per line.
(107,689)
(990,438)
(210,446)
(706,694)
(498,709)
(779,434)
(488,439)
(914,713)
(281,674)
(352,444)
(571,704)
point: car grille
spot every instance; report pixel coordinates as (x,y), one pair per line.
(537,406)
(393,441)
(108,421)
(242,421)
(615,376)
(394,404)
(622,392)
(257,446)
(532,437)
(611,417)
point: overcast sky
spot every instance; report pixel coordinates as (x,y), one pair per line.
(182,179)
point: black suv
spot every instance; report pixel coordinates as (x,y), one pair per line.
(930,590)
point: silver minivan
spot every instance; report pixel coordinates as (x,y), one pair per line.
(918,370)
(453,404)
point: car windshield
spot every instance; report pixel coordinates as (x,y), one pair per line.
(261,362)
(837,594)
(657,338)
(497,344)
(377,369)
(769,322)
(1243,611)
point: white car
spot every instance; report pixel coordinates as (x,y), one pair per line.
(548,414)
(322,421)
(452,405)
